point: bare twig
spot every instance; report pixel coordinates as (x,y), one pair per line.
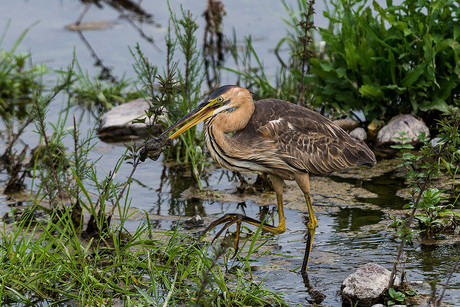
(213,41)
(306,53)
(409,221)
(438,302)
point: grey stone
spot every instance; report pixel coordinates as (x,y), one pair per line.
(195,220)
(436,142)
(367,284)
(359,134)
(346,124)
(404,123)
(116,124)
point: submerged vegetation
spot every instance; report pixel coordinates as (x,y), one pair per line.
(71,244)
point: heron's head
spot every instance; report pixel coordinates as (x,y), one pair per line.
(224,98)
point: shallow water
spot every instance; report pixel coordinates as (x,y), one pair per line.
(347,236)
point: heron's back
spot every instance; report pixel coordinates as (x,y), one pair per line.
(303,139)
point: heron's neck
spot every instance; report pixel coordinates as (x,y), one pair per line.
(221,146)
(227,122)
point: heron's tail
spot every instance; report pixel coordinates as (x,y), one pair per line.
(366,156)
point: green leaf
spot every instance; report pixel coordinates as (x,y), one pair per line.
(352,56)
(392,292)
(434,104)
(394,87)
(413,75)
(456,31)
(392,67)
(368,107)
(371,92)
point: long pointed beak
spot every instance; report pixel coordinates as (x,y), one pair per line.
(200,113)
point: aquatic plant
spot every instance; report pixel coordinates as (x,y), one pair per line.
(291,77)
(382,62)
(51,254)
(96,95)
(421,171)
(19,79)
(177,90)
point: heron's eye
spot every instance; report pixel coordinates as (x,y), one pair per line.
(220,99)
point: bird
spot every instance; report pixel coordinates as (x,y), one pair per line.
(276,137)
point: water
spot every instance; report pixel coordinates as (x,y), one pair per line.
(346,237)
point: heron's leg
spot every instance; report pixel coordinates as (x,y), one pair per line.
(311,226)
(303,180)
(232,218)
(278,185)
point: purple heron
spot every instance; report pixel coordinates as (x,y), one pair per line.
(276,137)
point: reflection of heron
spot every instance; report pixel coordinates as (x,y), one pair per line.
(275,137)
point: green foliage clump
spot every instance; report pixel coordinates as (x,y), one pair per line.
(190,78)
(97,96)
(289,81)
(399,297)
(423,169)
(17,83)
(402,59)
(18,80)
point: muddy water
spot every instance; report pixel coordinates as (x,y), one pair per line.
(353,207)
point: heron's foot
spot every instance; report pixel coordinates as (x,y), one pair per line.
(229,219)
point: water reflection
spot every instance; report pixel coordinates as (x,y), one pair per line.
(174,180)
(130,11)
(434,258)
(385,186)
(125,7)
(350,219)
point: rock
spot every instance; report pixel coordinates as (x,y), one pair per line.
(194,221)
(346,124)
(190,223)
(116,124)
(404,123)
(436,142)
(367,284)
(359,134)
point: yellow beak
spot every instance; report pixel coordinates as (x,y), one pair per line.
(197,115)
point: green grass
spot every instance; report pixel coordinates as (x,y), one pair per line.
(50,261)
(97,96)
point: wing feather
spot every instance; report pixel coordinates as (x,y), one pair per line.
(306,140)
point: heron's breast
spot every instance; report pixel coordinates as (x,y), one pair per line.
(242,156)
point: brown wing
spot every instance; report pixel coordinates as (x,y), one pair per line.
(306,140)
